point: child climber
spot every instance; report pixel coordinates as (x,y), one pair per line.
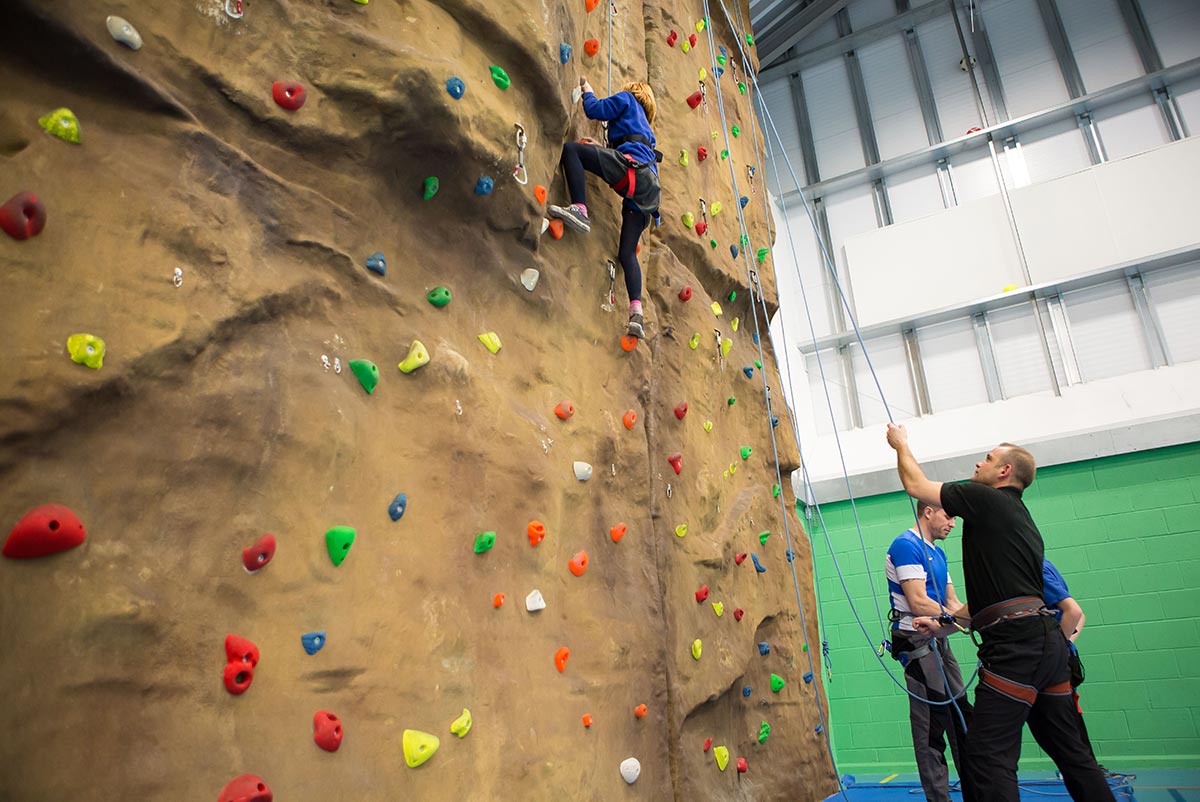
(629,166)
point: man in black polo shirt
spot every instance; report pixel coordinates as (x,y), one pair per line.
(1024,677)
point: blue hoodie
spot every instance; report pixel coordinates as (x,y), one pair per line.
(625,116)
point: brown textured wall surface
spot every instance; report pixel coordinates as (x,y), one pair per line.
(213,421)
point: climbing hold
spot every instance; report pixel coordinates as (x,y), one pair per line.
(497,600)
(539,192)
(741,87)
(701,227)
(708,426)
(490,340)
(700,26)
(591,5)
(639,711)
(681,409)
(733,251)
(628,342)
(681,530)
(739,558)
(697,648)
(749,371)
(746,691)
(757,362)
(377,263)
(629,419)
(808,677)
(762,537)
(818,729)
(126,34)
(431,187)
(631,769)
(724,153)
(583,471)
(484,542)
(438,296)
(742,766)
(417,356)
(721,753)
(672,37)
(745,240)
(755,337)
(683,158)
(578,564)
(735,131)
(564,410)
(688,219)
(536,532)
(716,308)
(62,123)
(86,349)
(500,77)
(692,40)
(726,346)
(720,70)
(694,342)
(757,565)
(686,46)
(327,730)
(534,601)
(712,243)
(560,658)
(484,185)
(702,594)
(461,725)
(591,47)
(732,468)
(258,555)
(702,73)
(556,229)
(338,541)
(398,506)
(419,747)
(241,658)
(777,683)
(718,608)
(564,52)
(247,787)
(731,400)
(764,648)
(722,59)
(676,461)
(701,153)
(289,95)
(750,39)
(716,210)
(791,555)
(762,254)
(764,730)
(776,490)
(366,372)
(529,278)
(44,530)
(456,87)
(743,201)
(587,719)
(313,641)
(685,294)
(695,99)
(707,744)
(738,613)
(746,451)
(733,324)
(617,532)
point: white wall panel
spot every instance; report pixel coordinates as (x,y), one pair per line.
(825,33)
(914,193)
(828,391)
(864,13)
(1106,331)
(974,175)
(1176,297)
(1028,69)
(1055,150)
(1175,26)
(1101,43)
(892,96)
(1131,127)
(831,115)
(890,365)
(1019,355)
(953,371)
(952,92)
(850,213)
(798,262)
(777,97)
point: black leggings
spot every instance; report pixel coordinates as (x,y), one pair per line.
(578,158)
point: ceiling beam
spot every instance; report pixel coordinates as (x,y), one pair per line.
(797,27)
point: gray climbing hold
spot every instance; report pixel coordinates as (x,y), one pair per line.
(529,278)
(583,471)
(124,33)
(631,769)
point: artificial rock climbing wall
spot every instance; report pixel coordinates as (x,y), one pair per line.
(216,242)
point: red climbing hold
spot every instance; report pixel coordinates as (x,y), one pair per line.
(740,558)
(536,531)
(742,766)
(591,5)
(560,659)
(327,730)
(681,410)
(672,38)
(618,532)
(628,342)
(258,555)
(701,227)
(695,99)
(701,594)
(237,677)
(44,530)
(701,153)
(23,216)
(685,294)
(539,192)
(591,47)
(629,418)
(578,564)
(640,711)
(556,229)
(498,600)
(676,461)
(587,719)
(564,410)
(707,744)
(246,788)
(738,613)
(692,40)
(240,650)
(289,94)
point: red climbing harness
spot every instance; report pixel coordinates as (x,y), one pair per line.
(627,186)
(1019,691)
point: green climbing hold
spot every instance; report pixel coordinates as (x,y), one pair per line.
(432,185)
(758,364)
(745,240)
(62,123)
(762,537)
(764,730)
(461,725)
(741,87)
(736,131)
(777,683)
(762,254)
(775,491)
(438,296)
(338,541)
(746,451)
(484,541)
(367,373)
(733,295)
(500,77)
(724,153)
(86,349)
(731,401)
(722,60)
(712,243)
(750,39)
(419,747)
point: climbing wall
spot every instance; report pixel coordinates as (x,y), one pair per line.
(237,264)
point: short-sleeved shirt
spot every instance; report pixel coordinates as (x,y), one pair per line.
(1002,549)
(1054,588)
(911,557)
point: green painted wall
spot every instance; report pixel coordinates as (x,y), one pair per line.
(1125,532)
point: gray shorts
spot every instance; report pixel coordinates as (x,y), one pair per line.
(616,167)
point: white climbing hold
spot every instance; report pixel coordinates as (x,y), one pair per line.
(631,769)
(123,32)
(534,601)
(583,471)
(529,278)
(576,94)
(545,224)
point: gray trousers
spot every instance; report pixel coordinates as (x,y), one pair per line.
(932,723)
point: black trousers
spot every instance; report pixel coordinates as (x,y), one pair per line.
(1030,652)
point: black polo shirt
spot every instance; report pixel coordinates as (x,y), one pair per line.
(1002,549)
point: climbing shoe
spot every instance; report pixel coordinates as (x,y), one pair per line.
(635,327)
(573,215)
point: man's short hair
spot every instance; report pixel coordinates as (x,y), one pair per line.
(925,505)
(1024,468)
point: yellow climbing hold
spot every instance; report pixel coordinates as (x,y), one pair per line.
(702,73)
(86,349)
(716,307)
(735,323)
(715,208)
(694,343)
(714,136)
(461,725)
(685,46)
(419,747)
(418,355)
(681,530)
(490,340)
(362,2)
(708,426)
(689,219)
(697,648)
(726,473)
(700,26)
(719,608)
(62,123)
(721,753)
(732,468)
(683,159)
(726,346)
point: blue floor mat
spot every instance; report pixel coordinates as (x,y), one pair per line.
(1154,785)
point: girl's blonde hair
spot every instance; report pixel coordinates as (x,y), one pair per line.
(644,95)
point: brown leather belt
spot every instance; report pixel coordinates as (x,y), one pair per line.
(1007,610)
(1019,691)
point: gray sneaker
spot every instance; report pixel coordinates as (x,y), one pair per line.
(636,329)
(573,215)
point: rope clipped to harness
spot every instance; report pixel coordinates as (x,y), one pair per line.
(519,172)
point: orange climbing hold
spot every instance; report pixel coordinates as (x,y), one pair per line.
(629,418)
(536,531)
(640,711)
(498,600)
(591,47)
(578,564)
(556,229)
(587,719)
(564,410)
(591,5)
(618,532)
(560,658)
(628,343)
(539,192)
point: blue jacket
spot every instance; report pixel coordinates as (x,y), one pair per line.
(625,116)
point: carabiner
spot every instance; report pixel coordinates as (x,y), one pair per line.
(237,12)
(704,96)
(519,172)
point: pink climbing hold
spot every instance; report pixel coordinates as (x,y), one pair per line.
(327,730)
(246,788)
(676,461)
(695,99)
(23,216)
(258,555)
(701,594)
(44,530)
(289,95)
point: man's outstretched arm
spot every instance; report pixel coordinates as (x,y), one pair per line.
(916,484)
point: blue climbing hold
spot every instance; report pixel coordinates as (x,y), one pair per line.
(791,555)
(564,52)
(808,677)
(376,263)
(398,506)
(743,200)
(733,251)
(764,648)
(774,421)
(722,49)
(755,337)
(746,691)
(818,729)
(455,87)
(757,565)
(720,71)
(749,371)
(313,641)
(484,185)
